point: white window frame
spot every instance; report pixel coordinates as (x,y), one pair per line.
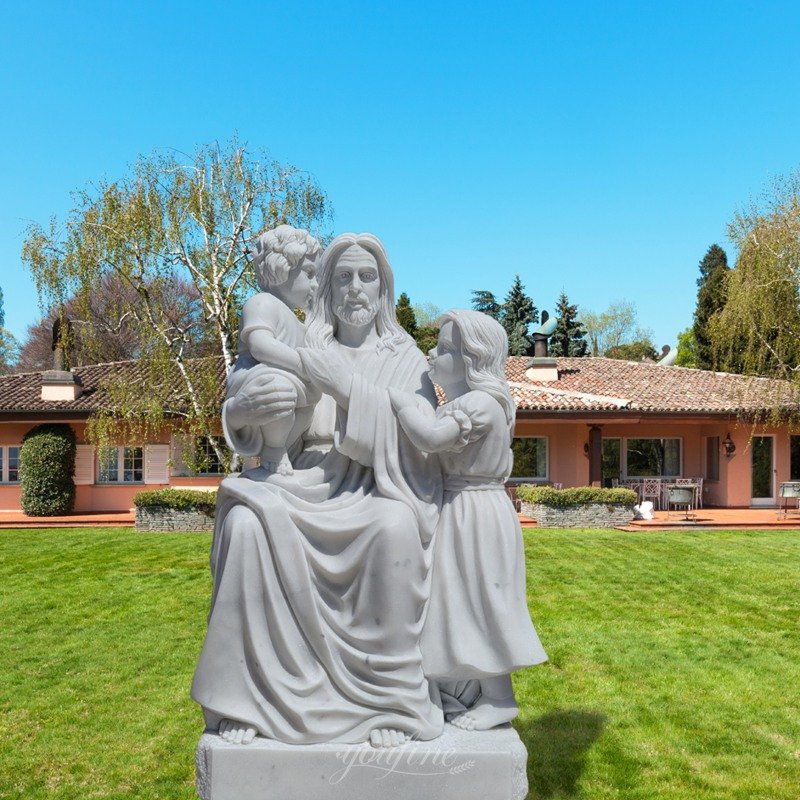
(531,478)
(624,455)
(5,449)
(120,481)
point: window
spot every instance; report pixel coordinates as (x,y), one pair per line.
(712,458)
(794,450)
(530,458)
(612,463)
(653,458)
(120,465)
(9,464)
(208,462)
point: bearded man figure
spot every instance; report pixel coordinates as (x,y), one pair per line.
(321,578)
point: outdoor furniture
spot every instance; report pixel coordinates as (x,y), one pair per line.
(651,490)
(698,483)
(682,495)
(789,490)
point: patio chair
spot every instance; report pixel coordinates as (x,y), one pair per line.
(697,482)
(651,490)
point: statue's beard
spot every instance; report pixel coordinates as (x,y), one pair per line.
(356,315)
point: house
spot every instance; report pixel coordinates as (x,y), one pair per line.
(106,479)
(580,421)
(584,421)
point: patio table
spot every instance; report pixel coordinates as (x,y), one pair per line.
(789,490)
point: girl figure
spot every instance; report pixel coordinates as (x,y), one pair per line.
(285,264)
(478,627)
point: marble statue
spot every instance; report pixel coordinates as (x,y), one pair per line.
(477,625)
(285,264)
(368,577)
(321,577)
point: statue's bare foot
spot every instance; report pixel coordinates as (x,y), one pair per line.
(284,466)
(486,713)
(236,732)
(388,737)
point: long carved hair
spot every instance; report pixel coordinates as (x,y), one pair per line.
(484,348)
(322,323)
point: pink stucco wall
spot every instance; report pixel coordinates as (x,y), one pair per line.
(92,497)
(570,466)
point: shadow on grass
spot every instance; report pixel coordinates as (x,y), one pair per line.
(557,745)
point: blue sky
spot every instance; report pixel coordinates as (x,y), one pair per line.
(598,148)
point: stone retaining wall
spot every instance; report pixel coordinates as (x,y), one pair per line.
(158,518)
(587,515)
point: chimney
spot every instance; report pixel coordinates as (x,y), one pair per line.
(59,383)
(541,367)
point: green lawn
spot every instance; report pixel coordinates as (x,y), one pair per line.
(674,671)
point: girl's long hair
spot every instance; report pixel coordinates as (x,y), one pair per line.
(322,323)
(484,346)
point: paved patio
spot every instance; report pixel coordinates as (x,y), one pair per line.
(98,519)
(721,518)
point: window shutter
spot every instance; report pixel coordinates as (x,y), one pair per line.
(84,465)
(156,457)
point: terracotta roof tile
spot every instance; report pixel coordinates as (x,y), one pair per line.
(606,384)
(584,385)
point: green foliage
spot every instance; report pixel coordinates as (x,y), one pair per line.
(517,315)
(485,302)
(405,314)
(9,347)
(426,337)
(47,464)
(687,349)
(427,314)
(634,351)
(173,221)
(711,297)
(569,338)
(758,330)
(580,495)
(178,499)
(615,326)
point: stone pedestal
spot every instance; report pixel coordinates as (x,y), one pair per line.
(459,765)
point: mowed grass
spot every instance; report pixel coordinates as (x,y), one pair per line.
(674,664)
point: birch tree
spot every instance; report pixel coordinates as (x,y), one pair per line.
(174,219)
(757,331)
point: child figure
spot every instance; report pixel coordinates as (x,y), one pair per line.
(477,627)
(286,267)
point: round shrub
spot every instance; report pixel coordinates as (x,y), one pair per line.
(46,467)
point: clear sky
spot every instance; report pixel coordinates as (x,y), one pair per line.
(595,147)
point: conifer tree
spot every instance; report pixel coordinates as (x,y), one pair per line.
(405,314)
(517,314)
(711,298)
(486,302)
(569,338)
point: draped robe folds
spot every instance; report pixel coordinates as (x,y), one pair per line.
(320,588)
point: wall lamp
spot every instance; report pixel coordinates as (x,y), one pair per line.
(730,447)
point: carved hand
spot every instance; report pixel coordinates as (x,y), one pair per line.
(264,398)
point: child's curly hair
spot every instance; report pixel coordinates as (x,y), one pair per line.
(279,251)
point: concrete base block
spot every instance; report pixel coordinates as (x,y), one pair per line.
(459,765)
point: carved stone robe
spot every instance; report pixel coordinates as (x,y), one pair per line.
(320,588)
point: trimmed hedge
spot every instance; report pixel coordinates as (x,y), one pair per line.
(580,495)
(178,499)
(46,467)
